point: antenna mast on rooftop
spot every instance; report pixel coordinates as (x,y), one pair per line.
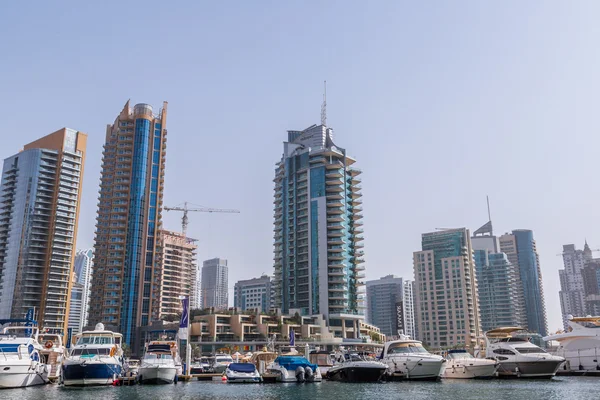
(324,105)
(488,204)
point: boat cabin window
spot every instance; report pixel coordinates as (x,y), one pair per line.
(503,351)
(530,350)
(459,354)
(151,356)
(90,352)
(224,359)
(404,348)
(18,332)
(95,340)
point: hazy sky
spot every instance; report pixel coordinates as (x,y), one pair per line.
(442,103)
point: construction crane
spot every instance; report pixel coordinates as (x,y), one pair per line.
(185,209)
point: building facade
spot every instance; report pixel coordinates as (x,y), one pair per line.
(497,282)
(253,294)
(572,291)
(214,284)
(390,305)
(446,301)
(520,248)
(176,274)
(126,269)
(195,297)
(39,210)
(80,293)
(318,256)
(591,279)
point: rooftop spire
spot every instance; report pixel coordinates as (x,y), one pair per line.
(324,105)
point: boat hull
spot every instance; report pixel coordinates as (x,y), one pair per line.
(415,369)
(543,369)
(22,376)
(157,375)
(90,373)
(356,373)
(470,371)
(243,378)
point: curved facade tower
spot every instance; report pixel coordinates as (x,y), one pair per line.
(318,256)
(126,268)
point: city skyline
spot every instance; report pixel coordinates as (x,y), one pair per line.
(461,80)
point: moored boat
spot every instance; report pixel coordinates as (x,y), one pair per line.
(580,344)
(460,364)
(53,352)
(408,359)
(242,373)
(96,359)
(159,363)
(518,357)
(21,363)
(221,362)
(294,368)
(355,368)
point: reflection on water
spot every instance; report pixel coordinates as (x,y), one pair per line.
(557,389)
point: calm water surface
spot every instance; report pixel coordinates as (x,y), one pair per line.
(564,388)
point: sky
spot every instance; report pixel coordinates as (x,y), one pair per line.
(441,103)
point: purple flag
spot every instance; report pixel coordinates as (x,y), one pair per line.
(292,337)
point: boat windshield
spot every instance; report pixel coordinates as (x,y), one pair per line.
(96,340)
(152,356)
(403,348)
(90,352)
(18,332)
(530,350)
(453,354)
(224,359)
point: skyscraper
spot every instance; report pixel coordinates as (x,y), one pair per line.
(195,298)
(446,302)
(176,273)
(253,294)
(125,282)
(390,305)
(39,210)
(497,283)
(591,279)
(572,293)
(214,284)
(80,293)
(521,250)
(318,256)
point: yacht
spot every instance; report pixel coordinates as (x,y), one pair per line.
(355,368)
(294,368)
(53,352)
(460,364)
(221,362)
(518,357)
(261,359)
(21,362)
(408,359)
(324,359)
(242,373)
(96,359)
(159,363)
(580,344)
(131,367)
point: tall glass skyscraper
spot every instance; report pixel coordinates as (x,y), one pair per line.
(126,270)
(318,253)
(215,284)
(390,306)
(39,209)
(521,250)
(80,294)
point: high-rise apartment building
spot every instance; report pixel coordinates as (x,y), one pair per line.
(318,256)
(497,282)
(446,302)
(253,294)
(176,273)
(591,282)
(39,209)
(195,298)
(126,269)
(80,293)
(572,293)
(214,284)
(390,306)
(521,250)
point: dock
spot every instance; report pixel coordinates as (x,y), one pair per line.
(577,373)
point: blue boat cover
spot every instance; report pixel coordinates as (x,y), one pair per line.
(292,362)
(242,367)
(9,348)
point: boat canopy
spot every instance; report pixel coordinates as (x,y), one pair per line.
(594,320)
(503,332)
(242,367)
(292,362)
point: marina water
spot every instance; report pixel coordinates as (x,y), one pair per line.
(559,388)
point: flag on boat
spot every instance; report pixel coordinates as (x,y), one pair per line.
(292,337)
(69,335)
(29,318)
(184,323)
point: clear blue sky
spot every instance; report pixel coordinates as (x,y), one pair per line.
(442,103)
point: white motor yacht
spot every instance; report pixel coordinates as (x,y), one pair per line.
(53,352)
(580,344)
(221,362)
(21,362)
(408,359)
(96,359)
(460,364)
(518,357)
(159,363)
(242,373)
